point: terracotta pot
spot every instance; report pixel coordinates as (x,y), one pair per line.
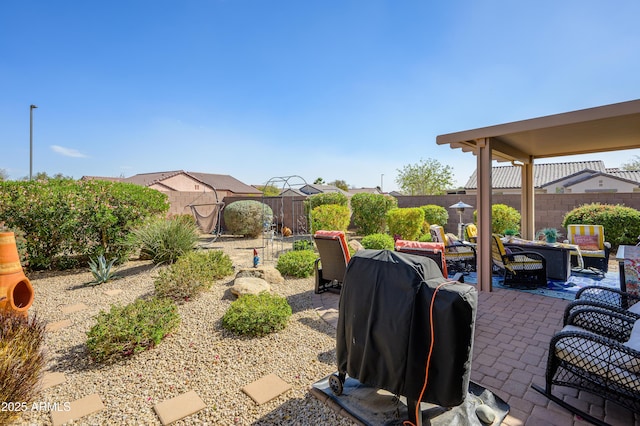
(16,292)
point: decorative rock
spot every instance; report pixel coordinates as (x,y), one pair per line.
(249,285)
(485,414)
(267,273)
(355,245)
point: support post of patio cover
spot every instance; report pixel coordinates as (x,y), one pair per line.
(483,204)
(527,201)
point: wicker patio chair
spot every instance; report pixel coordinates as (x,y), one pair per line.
(460,257)
(520,267)
(597,351)
(331,266)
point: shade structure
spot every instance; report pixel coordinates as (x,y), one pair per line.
(605,128)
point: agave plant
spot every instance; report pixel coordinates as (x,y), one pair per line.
(102,270)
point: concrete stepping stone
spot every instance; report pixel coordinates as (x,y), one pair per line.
(50,380)
(266,388)
(179,407)
(55,326)
(113,292)
(80,408)
(69,309)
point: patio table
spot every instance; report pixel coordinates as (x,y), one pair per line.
(558,256)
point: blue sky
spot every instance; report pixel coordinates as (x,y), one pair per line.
(350,90)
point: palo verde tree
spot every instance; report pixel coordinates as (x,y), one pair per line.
(428,177)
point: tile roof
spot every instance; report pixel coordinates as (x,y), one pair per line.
(543,173)
(219,182)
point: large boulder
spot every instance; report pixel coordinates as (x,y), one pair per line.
(249,285)
(267,273)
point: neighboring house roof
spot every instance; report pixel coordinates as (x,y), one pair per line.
(312,188)
(587,177)
(215,181)
(504,177)
(292,192)
(633,175)
(109,179)
(375,190)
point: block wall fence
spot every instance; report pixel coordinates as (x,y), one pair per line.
(549,208)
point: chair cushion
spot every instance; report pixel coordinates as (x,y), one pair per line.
(635,308)
(587,242)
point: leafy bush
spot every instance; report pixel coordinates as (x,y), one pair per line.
(323,199)
(406,222)
(193,273)
(247,217)
(257,315)
(425,238)
(164,240)
(503,218)
(102,270)
(378,242)
(331,217)
(303,245)
(22,361)
(66,221)
(130,329)
(621,224)
(296,263)
(370,212)
(435,215)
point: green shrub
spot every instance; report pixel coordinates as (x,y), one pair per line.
(127,330)
(164,240)
(193,273)
(22,361)
(257,315)
(621,224)
(425,238)
(378,242)
(370,212)
(332,217)
(503,218)
(102,270)
(66,222)
(296,263)
(247,217)
(406,222)
(435,215)
(323,199)
(303,245)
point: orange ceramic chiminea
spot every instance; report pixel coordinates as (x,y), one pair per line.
(16,292)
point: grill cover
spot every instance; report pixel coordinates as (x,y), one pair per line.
(383,333)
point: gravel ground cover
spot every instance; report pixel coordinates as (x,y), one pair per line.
(200,356)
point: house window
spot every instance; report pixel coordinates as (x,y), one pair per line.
(197,187)
(600,184)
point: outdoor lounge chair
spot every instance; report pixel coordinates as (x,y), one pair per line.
(331,265)
(460,257)
(593,248)
(597,351)
(519,267)
(624,300)
(434,251)
(471,232)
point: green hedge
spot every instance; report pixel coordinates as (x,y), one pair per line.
(406,222)
(621,224)
(330,217)
(370,212)
(65,222)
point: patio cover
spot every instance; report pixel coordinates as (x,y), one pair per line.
(605,128)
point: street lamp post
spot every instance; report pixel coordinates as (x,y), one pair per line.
(31,108)
(381,177)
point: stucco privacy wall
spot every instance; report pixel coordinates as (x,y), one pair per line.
(549,208)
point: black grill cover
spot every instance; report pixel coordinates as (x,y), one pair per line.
(383,333)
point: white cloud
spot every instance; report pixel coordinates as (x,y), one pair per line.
(67,152)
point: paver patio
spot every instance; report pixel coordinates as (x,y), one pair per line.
(512,335)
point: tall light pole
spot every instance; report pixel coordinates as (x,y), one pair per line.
(381,176)
(31,108)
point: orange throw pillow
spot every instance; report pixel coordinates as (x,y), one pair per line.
(587,242)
